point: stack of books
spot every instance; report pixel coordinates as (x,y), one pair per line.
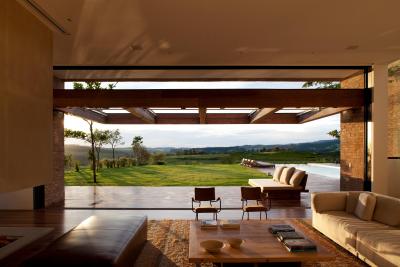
(291,240)
(230,224)
(208,224)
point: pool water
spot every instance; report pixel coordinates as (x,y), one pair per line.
(328,170)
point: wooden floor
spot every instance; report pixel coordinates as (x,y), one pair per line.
(64,220)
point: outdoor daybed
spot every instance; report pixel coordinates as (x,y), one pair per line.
(287,184)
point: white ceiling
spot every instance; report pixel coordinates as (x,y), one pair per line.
(225,32)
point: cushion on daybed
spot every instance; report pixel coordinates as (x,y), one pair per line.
(387,210)
(286,175)
(365,206)
(277,173)
(297,177)
(268,185)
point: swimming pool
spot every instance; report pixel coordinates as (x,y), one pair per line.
(328,170)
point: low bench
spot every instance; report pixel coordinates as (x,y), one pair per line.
(100,240)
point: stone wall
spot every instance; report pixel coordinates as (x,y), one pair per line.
(352,142)
(394,119)
(54,191)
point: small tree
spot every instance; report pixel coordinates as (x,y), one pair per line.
(100,139)
(335,134)
(158,158)
(115,139)
(136,147)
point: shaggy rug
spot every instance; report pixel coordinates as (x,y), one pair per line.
(168,245)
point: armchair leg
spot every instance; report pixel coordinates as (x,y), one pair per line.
(266,216)
(242,215)
(197,216)
(248,215)
(260,215)
(216,216)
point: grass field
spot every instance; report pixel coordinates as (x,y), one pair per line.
(293,157)
(167,175)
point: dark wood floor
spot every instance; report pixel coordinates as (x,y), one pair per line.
(64,220)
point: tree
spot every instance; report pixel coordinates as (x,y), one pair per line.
(88,138)
(93,86)
(322,85)
(136,147)
(335,134)
(114,140)
(100,139)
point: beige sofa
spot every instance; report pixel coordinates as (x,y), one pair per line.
(375,241)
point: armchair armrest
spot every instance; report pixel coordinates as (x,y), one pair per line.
(328,201)
(220,202)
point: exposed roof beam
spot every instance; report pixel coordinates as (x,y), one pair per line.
(143,114)
(261,113)
(86,114)
(215,98)
(188,118)
(203,115)
(319,114)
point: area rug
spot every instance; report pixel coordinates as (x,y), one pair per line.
(168,245)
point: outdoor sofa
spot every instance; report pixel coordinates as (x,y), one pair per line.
(287,184)
(366,224)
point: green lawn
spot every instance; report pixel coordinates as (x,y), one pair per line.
(168,175)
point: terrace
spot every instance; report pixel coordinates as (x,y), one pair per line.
(49,43)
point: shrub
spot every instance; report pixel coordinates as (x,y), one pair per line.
(77,166)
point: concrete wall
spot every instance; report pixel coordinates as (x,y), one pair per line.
(352,142)
(26,99)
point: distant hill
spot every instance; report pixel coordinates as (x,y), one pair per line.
(323,146)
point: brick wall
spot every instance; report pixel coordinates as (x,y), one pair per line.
(352,142)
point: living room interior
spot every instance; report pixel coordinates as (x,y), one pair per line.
(47,43)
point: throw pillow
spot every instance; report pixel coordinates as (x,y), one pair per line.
(351,201)
(277,173)
(297,177)
(365,206)
(286,175)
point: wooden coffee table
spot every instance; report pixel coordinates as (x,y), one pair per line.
(260,246)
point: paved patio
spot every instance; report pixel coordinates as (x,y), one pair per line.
(171,197)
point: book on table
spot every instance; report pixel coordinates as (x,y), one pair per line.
(288,235)
(230,224)
(208,224)
(275,228)
(299,245)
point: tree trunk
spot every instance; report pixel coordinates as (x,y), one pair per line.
(93,153)
(113,148)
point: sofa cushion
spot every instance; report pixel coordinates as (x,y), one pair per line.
(387,210)
(352,200)
(380,247)
(268,185)
(365,206)
(277,173)
(297,177)
(342,227)
(286,175)
(328,201)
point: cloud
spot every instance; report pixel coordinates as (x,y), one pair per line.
(216,135)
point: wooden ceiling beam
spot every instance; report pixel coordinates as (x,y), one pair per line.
(319,114)
(261,113)
(143,114)
(209,98)
(203,115)
(193,118)
(85,114)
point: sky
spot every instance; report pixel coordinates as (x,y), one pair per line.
(212,135)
